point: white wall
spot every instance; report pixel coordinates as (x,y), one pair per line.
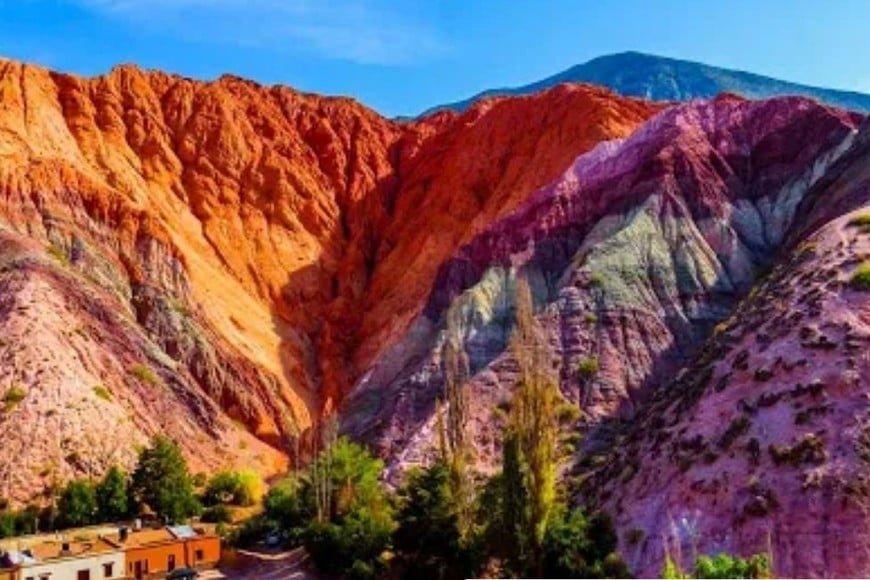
(68,568)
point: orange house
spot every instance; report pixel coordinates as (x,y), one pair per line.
(152,553)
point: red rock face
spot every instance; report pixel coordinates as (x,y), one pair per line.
(223,259)
(634,255)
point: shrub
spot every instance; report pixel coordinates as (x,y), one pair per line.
(243,488)
(568,413)
(736,428)
(861,277)
(587,367)
(13,396)
(102,392)
(58,253)
(810,449)
(144,373)
(727,566)
(861,221)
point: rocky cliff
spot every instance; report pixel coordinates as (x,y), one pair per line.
(218,260)
(704,264)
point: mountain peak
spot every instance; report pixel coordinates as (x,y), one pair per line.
(660,78)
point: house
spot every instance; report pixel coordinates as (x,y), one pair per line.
(156,552)
(55,559)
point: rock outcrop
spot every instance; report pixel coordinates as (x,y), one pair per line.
(218,260)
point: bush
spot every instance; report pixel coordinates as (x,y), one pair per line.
(861,277)
(102,392)
(13,396)
(144,374)
(861,221)
(218,514)
(242,488)
(727,566)
(587,368)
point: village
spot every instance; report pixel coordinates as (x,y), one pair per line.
(107,553)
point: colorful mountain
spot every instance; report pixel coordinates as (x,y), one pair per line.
(231,264)
(219,261)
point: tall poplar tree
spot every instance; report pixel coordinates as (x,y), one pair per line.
(533,424)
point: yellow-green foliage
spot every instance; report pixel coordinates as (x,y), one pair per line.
(587,367)
(144,374)
(861,221)
(102,392)
(861,277)
(58,253)
(13,396)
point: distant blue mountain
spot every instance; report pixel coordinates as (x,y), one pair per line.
(657,78)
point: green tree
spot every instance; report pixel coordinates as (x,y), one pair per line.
(577,546)
(728,566)
(112,496)
(457,452)
(533,426)
(284,504)
(429,536)
(78,504)
(349,538)
(162,481)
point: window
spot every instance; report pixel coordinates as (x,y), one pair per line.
(108,571)
(84,575)
(170,565)
(198,555)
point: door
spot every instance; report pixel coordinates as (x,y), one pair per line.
(137,570)
(170,566)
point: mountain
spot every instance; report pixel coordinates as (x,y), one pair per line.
(703,264)
(233,265)
(218,261)
(658,78)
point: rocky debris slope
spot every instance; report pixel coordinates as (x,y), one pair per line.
(633,254)
(253,240)
(762,442)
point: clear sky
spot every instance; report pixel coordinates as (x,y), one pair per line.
(403,56)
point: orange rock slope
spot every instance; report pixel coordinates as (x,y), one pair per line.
(223,259)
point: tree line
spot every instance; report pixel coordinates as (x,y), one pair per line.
(160,484)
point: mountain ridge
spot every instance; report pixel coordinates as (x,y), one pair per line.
(660,78)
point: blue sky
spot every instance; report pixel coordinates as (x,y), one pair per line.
(401,57)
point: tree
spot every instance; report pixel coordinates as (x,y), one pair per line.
(78,504)
(284,507)
(241,488)
(727,566)
(112,496)
(428,536)
(453,437)
(357,528)
(161,480)
(577,546)
(533,429)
